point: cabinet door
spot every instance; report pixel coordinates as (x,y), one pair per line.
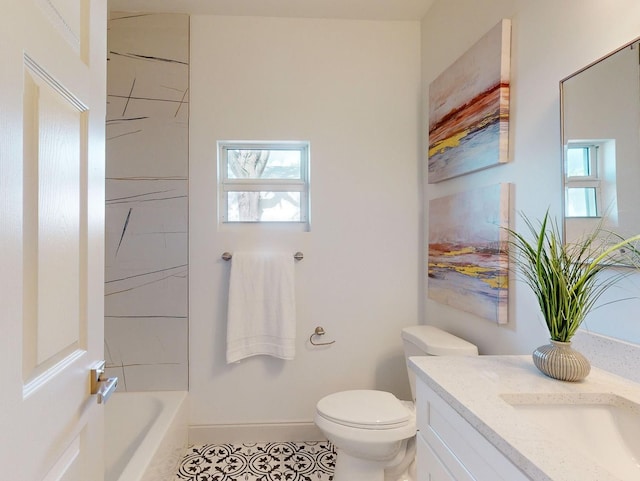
(430,468)
(467,454)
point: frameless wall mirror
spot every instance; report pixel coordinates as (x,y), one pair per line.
(601,170)
(601,141)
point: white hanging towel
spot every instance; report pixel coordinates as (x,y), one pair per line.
(261,317)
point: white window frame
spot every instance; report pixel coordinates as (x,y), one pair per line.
(227,184)
(594,164)
(588,181)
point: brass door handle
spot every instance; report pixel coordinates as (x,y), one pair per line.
(102,386)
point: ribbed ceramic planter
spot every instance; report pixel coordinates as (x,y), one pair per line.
(560,361)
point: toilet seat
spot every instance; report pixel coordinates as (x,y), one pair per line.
(365,409)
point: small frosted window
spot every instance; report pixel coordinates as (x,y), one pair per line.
(582,202)
(578,162)
(263,206)
(264,164)
(582,182)
(264,181)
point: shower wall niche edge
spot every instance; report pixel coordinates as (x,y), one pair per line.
(146,256)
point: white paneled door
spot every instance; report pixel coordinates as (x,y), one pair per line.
(52,110)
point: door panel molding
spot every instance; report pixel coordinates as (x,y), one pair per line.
(54,211)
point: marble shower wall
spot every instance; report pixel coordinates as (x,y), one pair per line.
(146,261)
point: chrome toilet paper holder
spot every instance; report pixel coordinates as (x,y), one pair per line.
(319,331)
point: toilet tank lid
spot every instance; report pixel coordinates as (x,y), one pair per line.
(436,342)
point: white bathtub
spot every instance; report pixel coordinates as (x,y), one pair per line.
(145,435)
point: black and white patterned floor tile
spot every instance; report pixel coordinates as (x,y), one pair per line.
(308,461)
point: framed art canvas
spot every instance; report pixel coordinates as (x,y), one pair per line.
(468,251)
(469,109)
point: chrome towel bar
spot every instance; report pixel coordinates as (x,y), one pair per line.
(227,256)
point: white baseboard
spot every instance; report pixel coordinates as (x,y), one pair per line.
(254,433)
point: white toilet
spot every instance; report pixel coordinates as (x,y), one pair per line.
(373,431)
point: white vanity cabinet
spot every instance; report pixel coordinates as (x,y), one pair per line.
(450,449)
(497,418)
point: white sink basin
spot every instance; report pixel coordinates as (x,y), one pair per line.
(605,427)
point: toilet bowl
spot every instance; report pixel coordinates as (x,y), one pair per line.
(369,429)
(373,431)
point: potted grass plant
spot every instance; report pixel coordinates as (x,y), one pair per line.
(567,282)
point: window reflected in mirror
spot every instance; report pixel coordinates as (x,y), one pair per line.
(583,165)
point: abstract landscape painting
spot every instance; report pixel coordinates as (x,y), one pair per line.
(468,257)
(469,109)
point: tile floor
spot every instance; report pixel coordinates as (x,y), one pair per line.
(308,461)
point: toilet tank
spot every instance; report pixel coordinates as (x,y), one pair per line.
(431,341)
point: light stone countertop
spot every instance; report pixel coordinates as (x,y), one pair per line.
(476,388)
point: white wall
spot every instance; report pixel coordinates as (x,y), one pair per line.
(351,88)
(550,40)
